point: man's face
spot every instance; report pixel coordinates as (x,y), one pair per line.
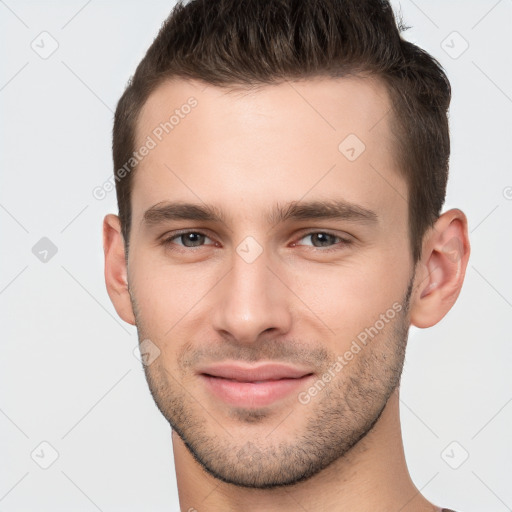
(256,287)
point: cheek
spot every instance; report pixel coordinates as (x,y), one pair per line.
(165,294)
(347,298)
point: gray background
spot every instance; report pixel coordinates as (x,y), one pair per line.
(68,375)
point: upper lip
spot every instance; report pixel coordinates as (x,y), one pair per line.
(252,373)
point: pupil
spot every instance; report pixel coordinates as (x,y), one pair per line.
(189,238)
(325,237)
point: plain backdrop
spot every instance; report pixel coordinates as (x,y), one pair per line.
(73,396)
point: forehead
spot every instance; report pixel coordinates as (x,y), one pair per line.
(363,103)
(250,147)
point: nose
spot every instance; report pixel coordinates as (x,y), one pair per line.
(252,301)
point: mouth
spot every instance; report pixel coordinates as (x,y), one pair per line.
(253,386)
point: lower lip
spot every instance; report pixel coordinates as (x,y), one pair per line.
(251,394)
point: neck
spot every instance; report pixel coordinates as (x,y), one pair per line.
(373,476)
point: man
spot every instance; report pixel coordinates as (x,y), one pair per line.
(280,169)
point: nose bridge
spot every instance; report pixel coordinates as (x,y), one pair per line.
(252,298)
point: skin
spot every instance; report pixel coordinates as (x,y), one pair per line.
(296,302)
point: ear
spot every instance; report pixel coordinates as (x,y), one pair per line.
(116,269)
(442,268)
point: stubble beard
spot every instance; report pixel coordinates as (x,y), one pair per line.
(338,418)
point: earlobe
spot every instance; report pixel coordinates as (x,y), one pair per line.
(441,270)
(116,273)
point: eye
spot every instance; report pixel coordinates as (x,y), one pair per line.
(322,239)
(188,239)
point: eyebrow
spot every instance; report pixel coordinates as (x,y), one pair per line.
(296,210)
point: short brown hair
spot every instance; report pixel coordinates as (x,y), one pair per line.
(235,43)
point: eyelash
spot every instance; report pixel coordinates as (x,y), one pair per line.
(335,247)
